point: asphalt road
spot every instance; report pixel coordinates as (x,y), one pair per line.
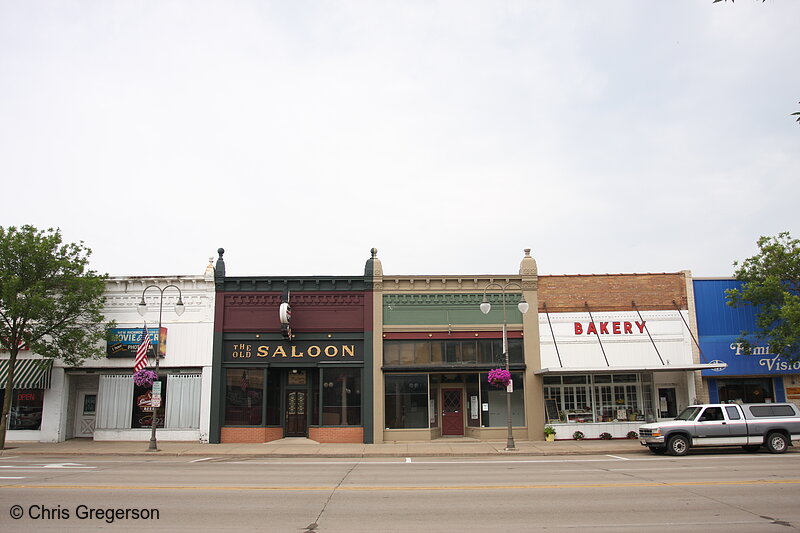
(718,491)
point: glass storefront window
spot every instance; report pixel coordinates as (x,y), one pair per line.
(26,408)
(600,398)
(497,413)
(450,352)
(407,399)
(745,390)
(244,396)
(341,397)
(273,393)
(142,416)
(433,413)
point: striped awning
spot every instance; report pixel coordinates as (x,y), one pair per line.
(28,373)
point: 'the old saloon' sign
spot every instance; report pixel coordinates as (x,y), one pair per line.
(296,351)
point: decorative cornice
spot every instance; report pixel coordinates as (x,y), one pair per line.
(452,284)
(446,300)
(294,284)
(298,299)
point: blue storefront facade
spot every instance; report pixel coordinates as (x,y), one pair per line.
(758,377)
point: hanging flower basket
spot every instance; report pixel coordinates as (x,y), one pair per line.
(499,377)
(144,378)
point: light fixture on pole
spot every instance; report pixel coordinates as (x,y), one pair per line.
(142,308)
(523,308)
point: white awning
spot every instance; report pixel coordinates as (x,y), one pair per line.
(630,369)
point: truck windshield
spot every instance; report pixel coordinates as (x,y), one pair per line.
(690,413)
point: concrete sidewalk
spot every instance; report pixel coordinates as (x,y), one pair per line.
(298,447)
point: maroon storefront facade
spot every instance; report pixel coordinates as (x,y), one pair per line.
(289,359)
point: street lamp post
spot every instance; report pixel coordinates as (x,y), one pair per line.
(523,308)
(142,308)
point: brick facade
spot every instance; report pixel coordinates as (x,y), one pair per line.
(229,434)
(612,292)
(337,435)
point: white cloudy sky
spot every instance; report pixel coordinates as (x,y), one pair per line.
(608,136)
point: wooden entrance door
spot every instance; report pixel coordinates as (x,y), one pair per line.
(452,412)
(296,420)
(85,413)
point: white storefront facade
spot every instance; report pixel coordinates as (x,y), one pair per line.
(612,366)
(99,400)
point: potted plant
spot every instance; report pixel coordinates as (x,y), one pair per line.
(578,435)
(549,433)
(605,435)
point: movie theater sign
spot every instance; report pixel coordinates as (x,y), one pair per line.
(299,351)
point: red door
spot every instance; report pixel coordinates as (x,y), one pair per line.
(452,415)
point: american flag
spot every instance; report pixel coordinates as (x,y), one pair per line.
(141,353)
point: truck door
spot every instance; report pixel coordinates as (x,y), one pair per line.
(712,428)
(737,426)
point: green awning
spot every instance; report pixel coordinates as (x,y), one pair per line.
(28,373)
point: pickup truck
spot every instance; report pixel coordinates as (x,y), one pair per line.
(751,426)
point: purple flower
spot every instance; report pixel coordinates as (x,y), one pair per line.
(499,377)
(144,378)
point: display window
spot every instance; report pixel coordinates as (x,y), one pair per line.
(599,398)
(494,404)
(244,395)
(142,416)
(745,390)
(341,396)
(407,401)
(26,408)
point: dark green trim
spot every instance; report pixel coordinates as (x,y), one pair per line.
(351,336)
(217,391)
(294,283)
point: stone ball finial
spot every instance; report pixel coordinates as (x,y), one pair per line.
(220,251)
(373,268)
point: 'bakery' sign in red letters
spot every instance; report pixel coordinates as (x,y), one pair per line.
(609,328)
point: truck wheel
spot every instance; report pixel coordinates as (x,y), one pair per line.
(752,448)
(777,442)
(678,445)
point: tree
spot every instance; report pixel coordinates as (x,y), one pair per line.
(50,301)
(771,282)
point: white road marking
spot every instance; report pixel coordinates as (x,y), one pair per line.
(65,466)
(618,457)
(201,460)
(11,477)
